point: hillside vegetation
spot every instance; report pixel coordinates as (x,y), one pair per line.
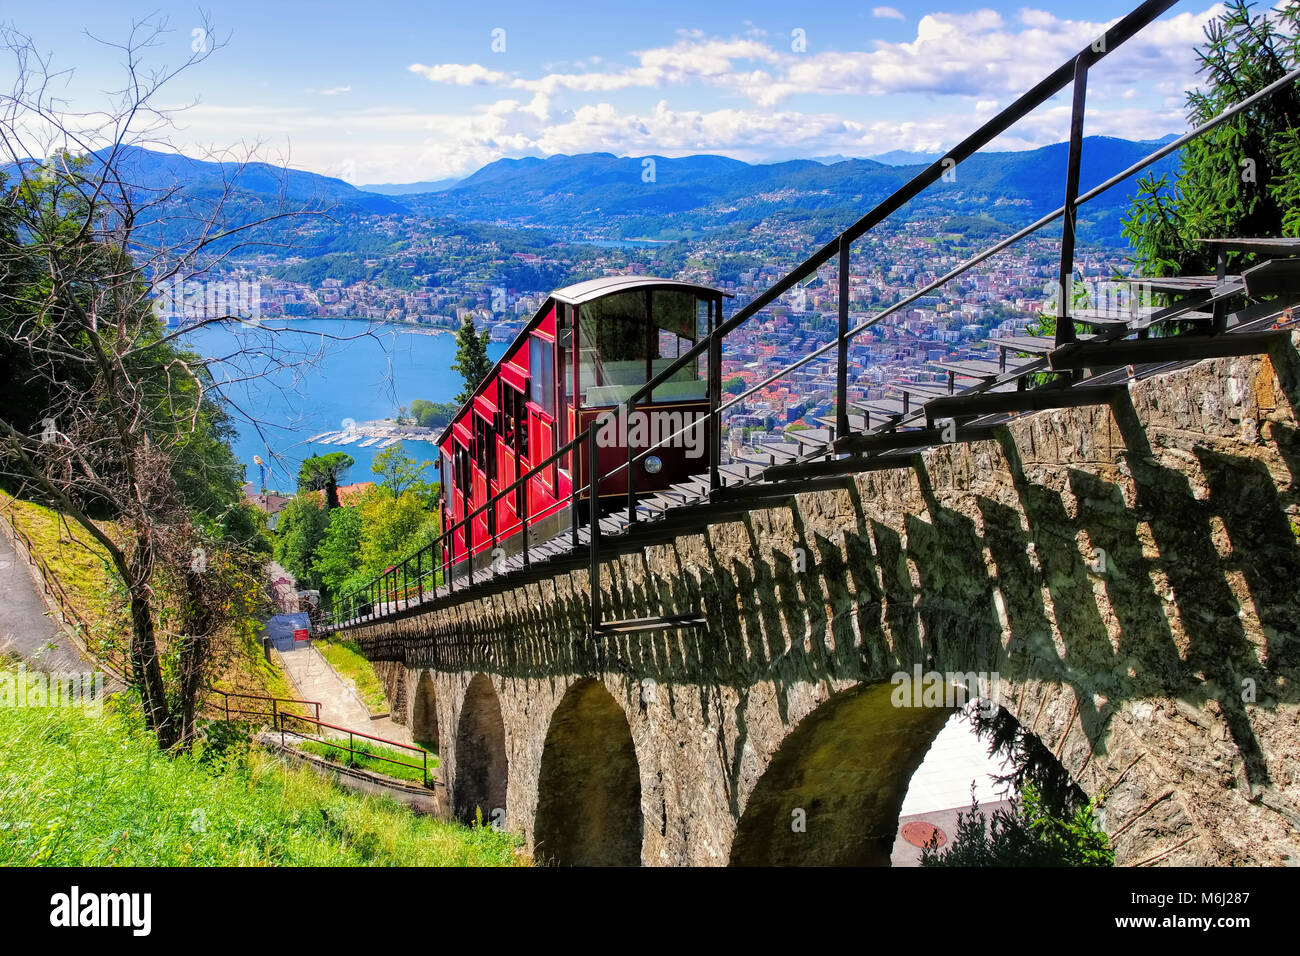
(81,566)
(81,791)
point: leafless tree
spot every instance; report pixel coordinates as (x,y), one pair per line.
(108,404)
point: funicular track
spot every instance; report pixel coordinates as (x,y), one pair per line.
(1197,317)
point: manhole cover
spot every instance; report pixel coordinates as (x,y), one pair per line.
(919,833)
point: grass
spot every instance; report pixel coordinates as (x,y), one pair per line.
(346,658)
(81,791)
(363,758)
(80,564)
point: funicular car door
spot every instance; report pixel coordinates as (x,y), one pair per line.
(507,513)
(461,505)
(484,456)
(541,425)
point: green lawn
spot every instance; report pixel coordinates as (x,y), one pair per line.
(346,658)
(338,753)
(80,791)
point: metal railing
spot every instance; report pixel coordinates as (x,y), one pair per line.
(351,748)
(240,711)
(1074,71)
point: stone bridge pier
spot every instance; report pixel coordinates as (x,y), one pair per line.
(1125,574)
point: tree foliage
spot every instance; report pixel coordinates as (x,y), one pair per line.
(299,531)
(432,414)
(1030,834)
(399,473)
(338,553)
(324,472)
(472,360)
(1243,177)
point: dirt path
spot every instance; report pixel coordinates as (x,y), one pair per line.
(316,680)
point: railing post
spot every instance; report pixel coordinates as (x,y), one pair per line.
(573,496)
(1064,324)
(715,420)
(522,493)
(631,472)
(842,347)
(449,560)
(469,552)
(1221,307)
(594,504)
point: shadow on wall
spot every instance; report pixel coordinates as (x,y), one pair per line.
(832,792)
(480,768)
(424,713)
(589,791)
(1196,525)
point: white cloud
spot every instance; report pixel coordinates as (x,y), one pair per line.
(971,54)
(964,66)
(460,74)
(886,13)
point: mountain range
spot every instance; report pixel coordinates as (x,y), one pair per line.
(661,197)
(656,197)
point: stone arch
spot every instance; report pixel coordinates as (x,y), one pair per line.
(424,711)
(832,792)
(589,788)
(481,767)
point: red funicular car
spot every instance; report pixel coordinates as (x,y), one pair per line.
(584,353)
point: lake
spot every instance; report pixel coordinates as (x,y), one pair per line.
(292,379)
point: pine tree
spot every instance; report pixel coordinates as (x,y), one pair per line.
(471,357)
(1243,177)
(323,472)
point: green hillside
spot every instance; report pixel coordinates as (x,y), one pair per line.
(83,791)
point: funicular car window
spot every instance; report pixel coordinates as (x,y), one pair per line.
(675,321)
(612,348)
(541,370)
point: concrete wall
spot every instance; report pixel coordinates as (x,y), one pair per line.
(1165,678)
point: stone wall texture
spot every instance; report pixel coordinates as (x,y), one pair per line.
(1163,675)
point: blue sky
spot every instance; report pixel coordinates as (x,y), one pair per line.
(404,91)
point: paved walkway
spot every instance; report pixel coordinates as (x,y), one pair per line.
(316,680)
(26,627)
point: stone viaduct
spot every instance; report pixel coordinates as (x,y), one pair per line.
(1162,674)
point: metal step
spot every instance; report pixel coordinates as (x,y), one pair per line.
(856,422)
(1034,344)
(922,391)
(780,452)
(982,368)
(811,436)
(1183,284)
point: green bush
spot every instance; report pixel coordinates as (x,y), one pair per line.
(1028,835)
